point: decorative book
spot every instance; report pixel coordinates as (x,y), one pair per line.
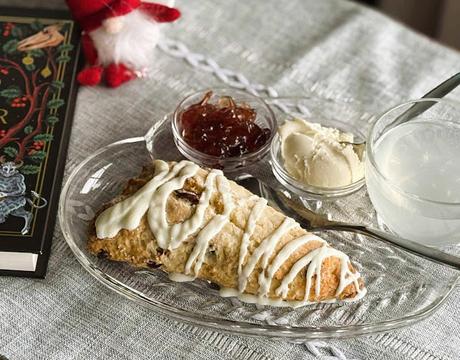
(39,54)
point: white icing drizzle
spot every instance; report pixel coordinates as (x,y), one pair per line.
(347,277)
(178,277)
(255,214)
(127,214)
(264,251)
(152,199)
(214,226)
(157,215)
(261,300)
(180,232)
(314,260)
(281,258)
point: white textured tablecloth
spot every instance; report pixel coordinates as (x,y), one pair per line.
(329,47)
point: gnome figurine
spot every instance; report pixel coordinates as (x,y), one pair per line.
(118,37)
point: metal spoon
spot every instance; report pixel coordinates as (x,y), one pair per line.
(312,221)
(438,92)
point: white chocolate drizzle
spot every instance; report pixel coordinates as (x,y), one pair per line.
(214,226)
(264,251)
(255,214)
(261,300)
(128,213)
(281,258)
(179,232)
(178,277)
(156,216)
(151,200)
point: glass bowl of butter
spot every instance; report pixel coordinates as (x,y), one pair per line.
(315,157)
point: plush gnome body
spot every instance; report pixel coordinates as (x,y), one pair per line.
(118,37)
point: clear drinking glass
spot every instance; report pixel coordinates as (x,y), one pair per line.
(413,171)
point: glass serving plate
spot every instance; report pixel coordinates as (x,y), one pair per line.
(402,288)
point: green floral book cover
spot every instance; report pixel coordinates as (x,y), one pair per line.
(38,61)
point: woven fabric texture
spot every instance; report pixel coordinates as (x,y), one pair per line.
(331,48)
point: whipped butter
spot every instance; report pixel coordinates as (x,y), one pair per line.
(313,154)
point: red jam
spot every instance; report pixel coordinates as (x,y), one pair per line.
(225,129)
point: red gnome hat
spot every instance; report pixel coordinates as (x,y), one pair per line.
(91,13)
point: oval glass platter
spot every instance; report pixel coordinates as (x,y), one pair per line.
(401,288)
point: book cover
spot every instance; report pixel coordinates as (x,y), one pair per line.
(39,53)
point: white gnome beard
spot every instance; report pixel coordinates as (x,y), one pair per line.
(132,46)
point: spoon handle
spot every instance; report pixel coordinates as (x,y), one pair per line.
(438,92)
(315,222)
(444,88)
(426,252)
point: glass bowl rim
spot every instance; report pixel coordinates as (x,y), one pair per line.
(225,325)
(370,149)
(272,123)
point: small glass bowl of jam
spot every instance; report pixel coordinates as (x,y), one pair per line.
(223,128)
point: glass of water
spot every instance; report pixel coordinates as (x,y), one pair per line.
(413,171)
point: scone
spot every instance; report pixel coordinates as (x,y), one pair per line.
(194,223)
